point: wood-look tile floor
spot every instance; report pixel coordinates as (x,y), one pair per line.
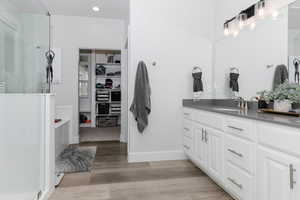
(113,178)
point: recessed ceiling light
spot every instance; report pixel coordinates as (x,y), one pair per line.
(96,9)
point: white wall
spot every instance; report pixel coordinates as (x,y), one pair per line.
(71,33)
(251,51)
(176,36)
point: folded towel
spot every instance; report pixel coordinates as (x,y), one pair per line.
(280,76)
(234,85)
(198,85)
(141,105)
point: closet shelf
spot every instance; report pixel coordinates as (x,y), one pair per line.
(107,89)
(112,64)
(85,125)
(112,102)
(107,115)
(101,76)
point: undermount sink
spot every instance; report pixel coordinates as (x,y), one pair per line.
(228,109)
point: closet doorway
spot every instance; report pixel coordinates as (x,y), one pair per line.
(99,81)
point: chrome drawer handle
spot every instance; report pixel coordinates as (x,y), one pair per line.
(186,129)
(235,153)
(292,181)
(232,127)
(187,147)
(235,183)
(186,114)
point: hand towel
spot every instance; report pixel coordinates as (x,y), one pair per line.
(141,105)
(198,85)
(234,84)
(280,76)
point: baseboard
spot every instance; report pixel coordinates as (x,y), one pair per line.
(156,156)
(74,140)
(47,194)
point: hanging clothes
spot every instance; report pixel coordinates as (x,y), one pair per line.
(234,84)
(141,105)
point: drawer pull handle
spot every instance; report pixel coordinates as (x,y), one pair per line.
(205,136)
(186,114)
(202,136)
(235,183)
(187,147)
(235,153)
(186,129)
(235,128)
(292,181)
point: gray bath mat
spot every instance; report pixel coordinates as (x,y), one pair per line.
(76,159)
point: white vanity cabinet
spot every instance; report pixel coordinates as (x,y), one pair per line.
(200,142)
(251,160)
(278,162)
(215,140)
(277,175)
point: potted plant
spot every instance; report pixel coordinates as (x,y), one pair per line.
(283,96)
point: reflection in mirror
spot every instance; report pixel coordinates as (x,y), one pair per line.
(294,42)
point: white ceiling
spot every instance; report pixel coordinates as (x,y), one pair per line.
(115,9)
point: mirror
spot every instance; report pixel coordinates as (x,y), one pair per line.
(294,42)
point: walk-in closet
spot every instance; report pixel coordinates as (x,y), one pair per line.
(99,82)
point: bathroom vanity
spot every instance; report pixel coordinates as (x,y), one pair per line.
(253,156)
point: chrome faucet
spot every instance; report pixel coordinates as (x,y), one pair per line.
(242,103)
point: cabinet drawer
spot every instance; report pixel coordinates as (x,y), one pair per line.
(240,152)
(212,120)
(242,128)
(188,128)
(238,182)
(187,113)
(279,137)
(188,146)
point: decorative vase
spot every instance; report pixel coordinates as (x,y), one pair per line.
(282,106)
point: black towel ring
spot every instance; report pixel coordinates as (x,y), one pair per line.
(234,70)
(197,69)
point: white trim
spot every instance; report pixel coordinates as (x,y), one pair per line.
(47,194)
(74,140)
(156,156)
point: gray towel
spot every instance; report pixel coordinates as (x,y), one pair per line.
(280,76)
(234,84)
(141,105)
(198,85)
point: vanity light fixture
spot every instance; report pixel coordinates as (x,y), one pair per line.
(260,8)
(234,25)
(96,9)
(250,15)
(226,29)
(242,18)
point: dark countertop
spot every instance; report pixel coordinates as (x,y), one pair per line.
(213,105)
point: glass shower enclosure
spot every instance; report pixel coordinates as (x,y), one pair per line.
(24,40)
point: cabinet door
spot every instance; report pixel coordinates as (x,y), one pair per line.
(277,175)
(214,139)
(200,145)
